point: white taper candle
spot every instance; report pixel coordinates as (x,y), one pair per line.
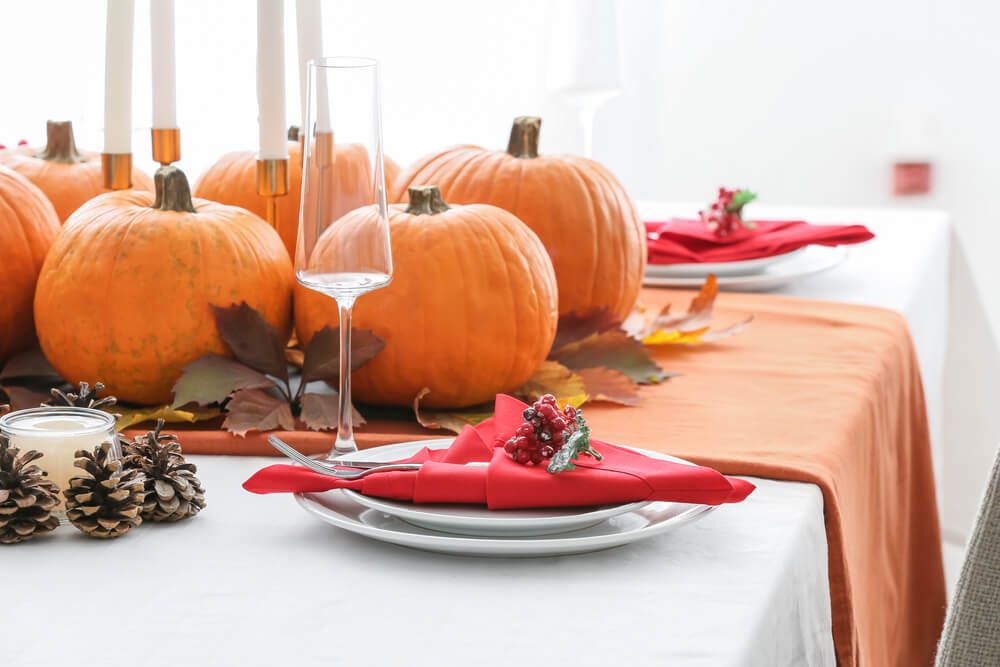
(118,77)
(309,21)
(271,80)
(161,42)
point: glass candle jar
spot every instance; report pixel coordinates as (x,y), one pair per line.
(58,432)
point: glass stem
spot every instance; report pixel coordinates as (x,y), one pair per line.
(344,443)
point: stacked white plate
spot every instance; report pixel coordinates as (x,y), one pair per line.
(752,275)
(474,530)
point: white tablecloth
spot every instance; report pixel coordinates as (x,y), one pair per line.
(256,581)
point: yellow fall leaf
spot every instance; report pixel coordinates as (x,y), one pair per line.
(132,416)
(676,337)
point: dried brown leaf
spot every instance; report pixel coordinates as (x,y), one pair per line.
(450,420)
(212,378)
(575,326)
(321,412)
(615,350)
(606,384)
(322,353)
(257,410)
(252,340)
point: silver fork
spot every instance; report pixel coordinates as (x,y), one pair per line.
(328,469)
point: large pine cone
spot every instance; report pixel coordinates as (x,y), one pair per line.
(27,498)
(173,492)
(105,501)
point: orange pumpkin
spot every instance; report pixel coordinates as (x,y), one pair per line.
(124,294)
(233,180)
(66,176)
(577,207)
(28,224)
(470,311)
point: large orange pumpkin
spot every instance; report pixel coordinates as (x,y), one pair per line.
(124,294)
(470,311)
(577,207)
(233,180)
(28,224)
(66,176)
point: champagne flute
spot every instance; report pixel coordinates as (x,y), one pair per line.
(585,59)
(343,246)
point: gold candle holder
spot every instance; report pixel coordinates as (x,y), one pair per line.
(166,145)
(272,182)
(117,170)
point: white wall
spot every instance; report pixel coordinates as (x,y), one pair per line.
(806,101)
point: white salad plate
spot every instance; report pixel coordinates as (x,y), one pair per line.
(700,270)
(342,509)
(475,520)
(809,262)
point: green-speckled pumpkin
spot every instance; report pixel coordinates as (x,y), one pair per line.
(124,293)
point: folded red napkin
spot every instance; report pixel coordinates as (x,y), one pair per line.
(622,476)
(680,241)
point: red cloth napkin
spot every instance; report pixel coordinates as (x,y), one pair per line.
(622,476)
(680,241)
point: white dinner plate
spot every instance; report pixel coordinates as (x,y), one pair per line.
(746,267)
(814,260)
(476,520)
(340,509)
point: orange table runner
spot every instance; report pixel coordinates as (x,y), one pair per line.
(815,392)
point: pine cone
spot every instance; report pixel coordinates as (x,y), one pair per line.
(27,498)
(173,492)
(106,501)
(86,398)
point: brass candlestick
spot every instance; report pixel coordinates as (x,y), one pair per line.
(117,170)
(272,182)
(166,145)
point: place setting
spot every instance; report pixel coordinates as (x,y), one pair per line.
(529,481)
(747,255)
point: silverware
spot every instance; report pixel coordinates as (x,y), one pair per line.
(328,469)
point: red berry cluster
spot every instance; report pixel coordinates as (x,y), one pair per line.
(543,432)
(720,217)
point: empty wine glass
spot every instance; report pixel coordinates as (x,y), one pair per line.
(343,246)
(585,59)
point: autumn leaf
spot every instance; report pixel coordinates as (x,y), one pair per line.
(450,420)
(606,384)
(295,356)
(251,339)
(30,364)
(698,315)
(257,410)
(322,354)
(575,326)
(212,378)
(320,412)
(615,350)
(692,327)
(21,398)
(130,416)
(554,378)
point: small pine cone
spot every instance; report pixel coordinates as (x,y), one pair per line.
(173,492)
(86,397)
(106,501)
(27,498)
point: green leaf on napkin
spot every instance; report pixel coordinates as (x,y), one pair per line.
(577,445)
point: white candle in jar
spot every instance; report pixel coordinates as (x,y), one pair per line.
(57,433)
(118,77)
(271,80)
(161,44)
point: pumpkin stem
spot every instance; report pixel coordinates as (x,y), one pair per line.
(172,190)
(293,132)
(524,137)
(425,200)
(60,145)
